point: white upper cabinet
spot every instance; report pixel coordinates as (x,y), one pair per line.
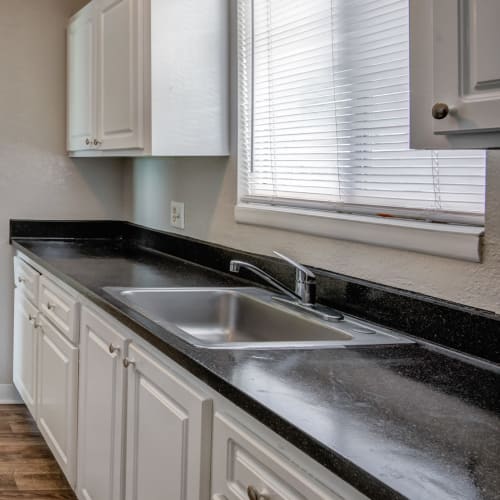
(81,77)
(158,82)
(189,77)
(466,42)
(455,74)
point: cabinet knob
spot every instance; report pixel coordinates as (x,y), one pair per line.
(127,362)
(440,110)
(50,306)
(113,349)
(31,318)
(20,279)
(87,141)
(253,494)
(97,142)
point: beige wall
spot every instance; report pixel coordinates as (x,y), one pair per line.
(37,180)
(208,188)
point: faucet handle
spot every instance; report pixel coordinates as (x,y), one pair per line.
(307,274)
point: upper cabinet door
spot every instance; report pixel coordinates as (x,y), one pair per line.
(81,81)
(119,76)
(467,65)
(455,73)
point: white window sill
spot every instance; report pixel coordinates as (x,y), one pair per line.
(445,240)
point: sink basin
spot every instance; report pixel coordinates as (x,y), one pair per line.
(244,318)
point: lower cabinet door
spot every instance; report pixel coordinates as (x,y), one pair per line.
(58,396)
(101,410)
(168,433)
(25,350)
(244,466)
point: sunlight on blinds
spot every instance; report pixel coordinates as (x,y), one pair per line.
(324,93)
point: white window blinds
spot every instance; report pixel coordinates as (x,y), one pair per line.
(324,115)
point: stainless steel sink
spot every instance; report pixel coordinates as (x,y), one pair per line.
(244,318)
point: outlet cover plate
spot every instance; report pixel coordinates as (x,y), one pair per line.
(177,214)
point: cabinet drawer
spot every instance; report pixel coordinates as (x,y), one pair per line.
(26,279)
(60,308)
(241,460)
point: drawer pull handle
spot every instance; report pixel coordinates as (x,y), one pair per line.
(127,362)
(50,306)
(113,349)
(253,494)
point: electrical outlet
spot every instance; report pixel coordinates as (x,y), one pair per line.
(177,214)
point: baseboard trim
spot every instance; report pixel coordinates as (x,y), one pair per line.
(9,395)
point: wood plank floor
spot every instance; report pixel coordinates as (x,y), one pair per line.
(28,469)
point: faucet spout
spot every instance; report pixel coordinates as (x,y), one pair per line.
(236,265)
(304,297)
(305,279)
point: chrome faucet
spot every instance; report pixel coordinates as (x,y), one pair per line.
(305,279)
(304,296)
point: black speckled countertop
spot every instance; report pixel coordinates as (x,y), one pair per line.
(395,422)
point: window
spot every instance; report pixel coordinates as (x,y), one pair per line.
(324,116)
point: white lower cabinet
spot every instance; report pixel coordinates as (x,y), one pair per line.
(164,453)
(245,467)
(145,428)
(101,410)
(172,447)
(25,350)
(168,433)
(58,396)
(45,368)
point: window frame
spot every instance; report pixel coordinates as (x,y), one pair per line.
(382,226)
